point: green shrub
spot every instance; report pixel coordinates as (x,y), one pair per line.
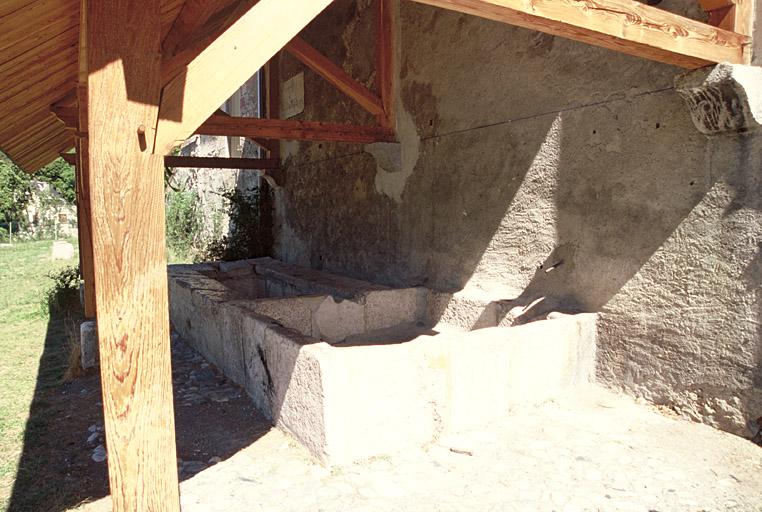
(246,238)
(64,294)
(183,218)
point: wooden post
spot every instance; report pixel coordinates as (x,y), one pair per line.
(127,198)
(84,226)
(82,169)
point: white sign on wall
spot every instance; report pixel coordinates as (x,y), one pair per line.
(292,97)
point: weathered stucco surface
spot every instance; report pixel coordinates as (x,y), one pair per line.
(532,166)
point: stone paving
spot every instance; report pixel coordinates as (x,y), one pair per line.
(595,451)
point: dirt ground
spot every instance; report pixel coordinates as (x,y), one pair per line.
(60,467)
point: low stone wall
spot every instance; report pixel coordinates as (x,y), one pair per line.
(365,374)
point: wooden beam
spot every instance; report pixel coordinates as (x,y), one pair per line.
(202,162)
(733,15)
(626,26)
(192,96)
(85,226)
(66,109)
(268,145)
(336,76)
(67,115)
(127,198)
(385,60)
(193,15)
(294,130)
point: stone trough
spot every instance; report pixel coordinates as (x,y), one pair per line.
(353,369)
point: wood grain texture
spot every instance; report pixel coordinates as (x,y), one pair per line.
(231,59)
(626,26)
(193,15)
(334,75)
(743,16)
(208,162)
(293,130)
(189,48)
(127,198)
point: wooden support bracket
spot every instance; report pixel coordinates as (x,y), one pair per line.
(231,59)
(321,65)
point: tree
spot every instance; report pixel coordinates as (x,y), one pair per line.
(60,175)
(14,190)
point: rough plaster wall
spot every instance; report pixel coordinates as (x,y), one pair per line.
(521,152)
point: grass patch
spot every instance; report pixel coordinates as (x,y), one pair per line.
(24,269)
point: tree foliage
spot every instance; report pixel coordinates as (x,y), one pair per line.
(60,175)
(14,190)
(15,185)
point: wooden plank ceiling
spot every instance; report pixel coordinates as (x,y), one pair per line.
(38,67)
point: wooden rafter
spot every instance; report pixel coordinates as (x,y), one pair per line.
(336,76)
(294,130)
(626,26)
(228,61)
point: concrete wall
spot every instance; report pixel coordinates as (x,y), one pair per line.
(523,153)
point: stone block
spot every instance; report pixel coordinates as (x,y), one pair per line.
(62,250)
(723,98)
(335,320)
(387,308)
(88,343)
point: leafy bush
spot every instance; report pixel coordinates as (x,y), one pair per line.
(246,238)
(64,294)
(183,218)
